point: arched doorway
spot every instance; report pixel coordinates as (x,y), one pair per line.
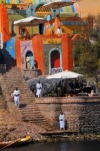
(29,60)
(55,59)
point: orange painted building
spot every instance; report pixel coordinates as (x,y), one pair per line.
(46,51)
(51,52)
(34,48)
(58,56)
(4,23)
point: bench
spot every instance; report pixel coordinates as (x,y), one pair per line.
(83,94)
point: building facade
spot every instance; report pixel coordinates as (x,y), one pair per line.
(42,46)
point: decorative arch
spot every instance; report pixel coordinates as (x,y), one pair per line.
(26,48)
(55,59)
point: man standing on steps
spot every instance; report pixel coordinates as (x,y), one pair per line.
(62,121)
(16,95)
(38,89)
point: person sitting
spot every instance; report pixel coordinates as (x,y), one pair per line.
(23,32)
(59,31)
(92,93)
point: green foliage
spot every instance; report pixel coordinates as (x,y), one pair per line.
(89,64)
(87,50)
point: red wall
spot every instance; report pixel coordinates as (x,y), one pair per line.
(4,23)
(38,52)
(18,51)
(67,55)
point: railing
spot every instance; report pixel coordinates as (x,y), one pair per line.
(2,68)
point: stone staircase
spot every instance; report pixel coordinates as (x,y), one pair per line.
(28,110)
(11,80)
(31,113)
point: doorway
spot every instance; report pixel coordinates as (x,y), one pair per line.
(41,29)
(55,59)
(29,60)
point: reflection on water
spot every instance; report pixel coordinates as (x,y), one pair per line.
(60,146)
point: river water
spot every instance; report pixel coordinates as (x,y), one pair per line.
(60,146)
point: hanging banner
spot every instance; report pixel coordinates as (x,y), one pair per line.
(8,1)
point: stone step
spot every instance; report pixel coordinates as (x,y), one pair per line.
(39,122)
(33,117)
(32,110)
(47,127)
(38,116)
(29,111)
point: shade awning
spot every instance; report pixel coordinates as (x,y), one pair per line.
(64,75)
(30,21)
(58,4)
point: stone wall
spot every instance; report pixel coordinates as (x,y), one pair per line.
(82,114)
(34,73)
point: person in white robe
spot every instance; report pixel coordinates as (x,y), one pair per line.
(16,95)
(38,89)
(28,62)
(62,121)
(59,31)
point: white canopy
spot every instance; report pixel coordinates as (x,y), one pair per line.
(30,21)
(64,75)
(58,4)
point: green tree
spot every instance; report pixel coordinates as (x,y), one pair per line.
(87,49)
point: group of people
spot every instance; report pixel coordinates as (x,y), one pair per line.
(16,93)
(16,97)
